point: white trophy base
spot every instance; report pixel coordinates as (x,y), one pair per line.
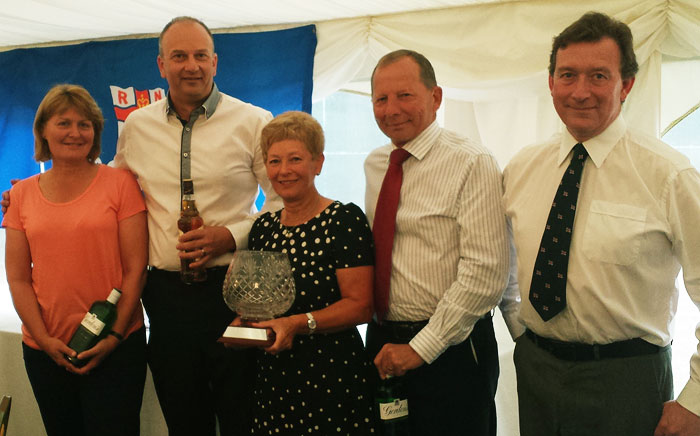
(248,336)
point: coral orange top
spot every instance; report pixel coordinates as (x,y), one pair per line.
(74,246)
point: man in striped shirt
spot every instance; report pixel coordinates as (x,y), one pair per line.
(449,263)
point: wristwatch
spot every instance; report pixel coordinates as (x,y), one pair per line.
(311,322)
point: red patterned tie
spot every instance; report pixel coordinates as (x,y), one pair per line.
(383,230)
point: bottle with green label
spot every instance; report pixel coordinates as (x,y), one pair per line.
(392,407)
(95,325)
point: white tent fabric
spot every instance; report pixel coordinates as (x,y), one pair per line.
(496,56)
(491,55)
(29,22)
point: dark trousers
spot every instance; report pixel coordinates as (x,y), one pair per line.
(107,401)
(609,397)
(197,379)
(455,394)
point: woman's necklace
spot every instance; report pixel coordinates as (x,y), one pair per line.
(293,222)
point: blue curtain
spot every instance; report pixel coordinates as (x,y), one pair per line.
(273,70)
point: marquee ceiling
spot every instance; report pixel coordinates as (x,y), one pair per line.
(32,22)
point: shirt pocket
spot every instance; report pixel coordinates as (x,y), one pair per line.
(614,232)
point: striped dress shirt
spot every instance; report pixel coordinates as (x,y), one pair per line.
(450,255)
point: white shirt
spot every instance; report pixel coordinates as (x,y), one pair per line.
(450,255)
(637,222)
(226,166)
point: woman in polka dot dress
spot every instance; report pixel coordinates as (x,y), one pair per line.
(315,378)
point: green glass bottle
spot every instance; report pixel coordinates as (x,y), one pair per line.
(392,407)
(95,325)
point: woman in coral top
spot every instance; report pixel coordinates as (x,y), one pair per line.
(73,233)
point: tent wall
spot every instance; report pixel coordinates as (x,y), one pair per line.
(496,55)
(492,59)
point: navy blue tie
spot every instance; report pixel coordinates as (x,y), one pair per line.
(548,287)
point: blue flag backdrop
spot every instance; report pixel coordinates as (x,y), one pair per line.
(273,70)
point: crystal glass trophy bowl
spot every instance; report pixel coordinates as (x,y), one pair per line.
(259,286)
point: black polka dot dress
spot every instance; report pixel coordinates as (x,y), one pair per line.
(321,386)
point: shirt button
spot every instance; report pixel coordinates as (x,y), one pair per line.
(187,129)
(185,154)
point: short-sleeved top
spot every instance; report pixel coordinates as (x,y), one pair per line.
(321,386)
(74,246)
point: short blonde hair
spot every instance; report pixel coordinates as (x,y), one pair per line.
(295,125)
(59,99)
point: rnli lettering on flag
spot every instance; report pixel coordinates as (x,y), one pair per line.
(127,100)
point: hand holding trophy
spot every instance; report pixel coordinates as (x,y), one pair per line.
(259,286)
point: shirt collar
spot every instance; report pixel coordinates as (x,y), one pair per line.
(209,106)
(421,144)
(598,147)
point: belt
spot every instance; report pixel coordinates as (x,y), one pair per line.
(406,330)
(165,272)
(577,352)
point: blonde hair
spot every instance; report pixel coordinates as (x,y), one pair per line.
(295,125)
(59,99)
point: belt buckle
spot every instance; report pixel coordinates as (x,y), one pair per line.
(568,351)
(403,333)
(583,352)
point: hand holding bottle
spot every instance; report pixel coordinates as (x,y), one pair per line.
(95,355)
(212,240)
(95,327)
(57,351)
(396,359)
(191,266)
